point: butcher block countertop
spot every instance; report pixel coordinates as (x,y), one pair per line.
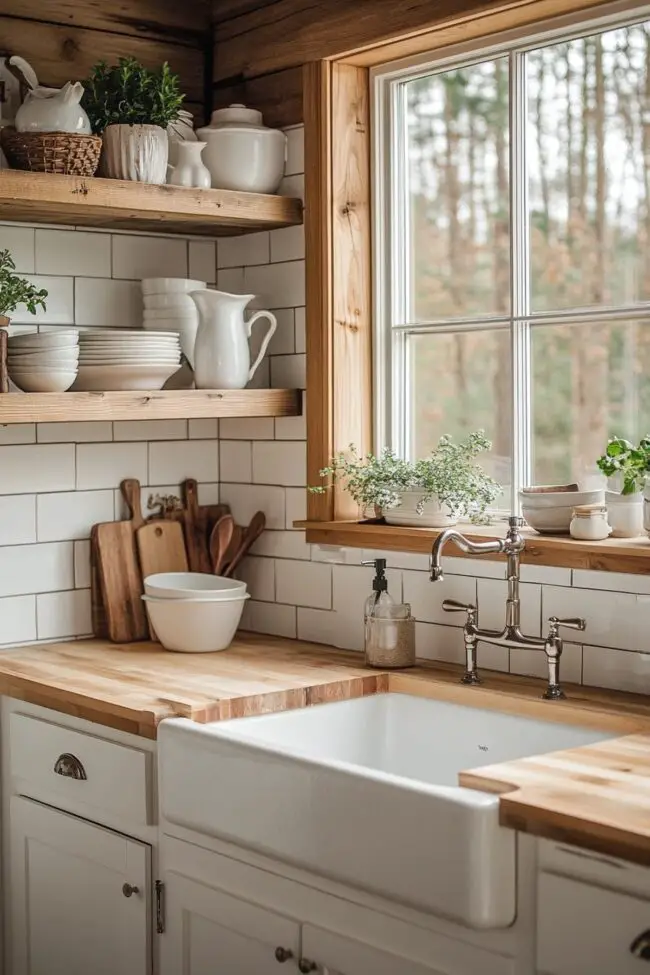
(596,796)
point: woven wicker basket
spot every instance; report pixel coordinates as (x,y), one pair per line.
(51,152)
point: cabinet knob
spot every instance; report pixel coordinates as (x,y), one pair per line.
(640,947)
(283,954)
(128,890)
(306,966)
(69,766)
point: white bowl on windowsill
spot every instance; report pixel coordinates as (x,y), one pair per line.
(549,512)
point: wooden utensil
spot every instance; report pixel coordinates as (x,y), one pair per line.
(251,534)
(220,539)
(119,571)
(195,527)
(4,375)
(161,547)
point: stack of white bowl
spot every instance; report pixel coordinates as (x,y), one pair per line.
(122,359)
(194,612)
(549,508)
(168,307)
(45,362)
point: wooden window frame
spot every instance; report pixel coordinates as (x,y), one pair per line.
(338,234)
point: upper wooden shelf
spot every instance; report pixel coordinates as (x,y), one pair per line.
(159,405)
(116,204)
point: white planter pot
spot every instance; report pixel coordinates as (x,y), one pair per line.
(434,514)
(626,514)
(135,152)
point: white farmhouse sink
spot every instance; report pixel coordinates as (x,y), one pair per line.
(364,792)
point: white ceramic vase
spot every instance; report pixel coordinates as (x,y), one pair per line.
(625,514)
(180,130)
(190,170)
(222,358)
(135,152)
(242,153)
(434,515)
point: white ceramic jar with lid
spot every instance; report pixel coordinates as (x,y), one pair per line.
(241,152)
(589,522)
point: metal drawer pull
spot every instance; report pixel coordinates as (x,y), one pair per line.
(283,954)
(70,766)
(128,890)
(640,947)
(306,966)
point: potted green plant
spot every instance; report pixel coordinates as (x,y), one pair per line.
(626,466)
(433,492)
(16,291)
(131,107)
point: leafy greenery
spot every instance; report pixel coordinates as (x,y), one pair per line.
(449,474)
(629,463)
(16,291)
(129,94)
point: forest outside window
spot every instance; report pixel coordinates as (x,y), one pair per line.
(512,250)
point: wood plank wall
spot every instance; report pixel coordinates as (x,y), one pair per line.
(62,39)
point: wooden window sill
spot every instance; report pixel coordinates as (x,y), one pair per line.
(612,555)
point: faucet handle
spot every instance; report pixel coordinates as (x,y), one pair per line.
(572,623)
(453,606)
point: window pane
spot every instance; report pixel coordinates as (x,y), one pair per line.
(457,131)
(590,382)
(461,382)
(589,170)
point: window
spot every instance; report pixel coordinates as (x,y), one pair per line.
(512,249)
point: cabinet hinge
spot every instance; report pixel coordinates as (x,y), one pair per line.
(160,907)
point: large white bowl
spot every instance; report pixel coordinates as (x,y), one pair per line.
(37,380)
(195,625)
(192,585)
(551,512)
(156,286)
(175,302)
(102,378)
(36,342)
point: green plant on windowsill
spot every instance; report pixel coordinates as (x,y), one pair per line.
(627,463)
(448,477)
(15,291)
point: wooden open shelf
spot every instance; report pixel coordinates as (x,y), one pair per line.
(115,204)
(159,405)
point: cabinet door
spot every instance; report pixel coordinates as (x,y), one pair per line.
(333,954)
(69,911)
(208,932)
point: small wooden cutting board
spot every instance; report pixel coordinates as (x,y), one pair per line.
(161,547)
(119,572)
(195,525)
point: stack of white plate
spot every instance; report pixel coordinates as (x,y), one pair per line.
(121,359)
(45,362)
(168,307)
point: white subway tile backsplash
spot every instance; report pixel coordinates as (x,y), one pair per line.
(74,253)
(259,576)
(426,597)
(288,372)
(246,499)
(64,614)
(303,583)
(17,620)
(88,432)
(273,618)
(106,465)
(301,336)
(236,461)
(247,249)
(295,150)
(59,303)
(28,569)
(614,619)
(548,575)
(17,433)
(611,581)
(246,428)
(324,626)
(277,285)
(19,241)
(492,595)
(135,258)
(71,515)
(17,518)
(480,568)
(293,186)
(296,499)
(336,555)
(533,663)
(283,341)
(108,304)
(493,658)
(288,244)
(280,462)
(617,669)
(209,493)
(203,260)
(82,564)
(282,545)
(203,429)
(150,430)
(37,467)
(171,463)
(439,643)
(291,427)
(231,279)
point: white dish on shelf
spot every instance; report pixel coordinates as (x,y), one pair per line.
(155,286)
(169,302)
(39,380)
(50,357)
(104,378)
(195,625)
(143,361)
(121,335)
(37,341)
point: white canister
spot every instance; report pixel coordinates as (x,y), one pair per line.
(589,523)
(242,153)
(625,514)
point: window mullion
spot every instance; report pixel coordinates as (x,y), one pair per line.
(519,281)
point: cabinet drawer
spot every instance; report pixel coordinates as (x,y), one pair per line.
(50,762)
(585,930)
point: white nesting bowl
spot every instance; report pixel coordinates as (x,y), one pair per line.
(550,512)
(192,585)
(175,301)
(157,286)
(195,625)
(39,380)
(32,341)
(51,357)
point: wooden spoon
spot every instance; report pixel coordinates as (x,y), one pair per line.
(220,539)
(251,534)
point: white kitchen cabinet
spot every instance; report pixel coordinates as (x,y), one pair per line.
(209,932)
(80,896)
(332,954)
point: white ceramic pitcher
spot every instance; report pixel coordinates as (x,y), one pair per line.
(222,358)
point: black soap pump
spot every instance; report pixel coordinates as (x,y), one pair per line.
(379,603)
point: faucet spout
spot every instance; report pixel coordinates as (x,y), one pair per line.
(496,545)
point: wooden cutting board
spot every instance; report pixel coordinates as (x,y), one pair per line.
(161,547)
(97,611)
(119,571)
(195,526)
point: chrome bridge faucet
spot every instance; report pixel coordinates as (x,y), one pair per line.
(510,636)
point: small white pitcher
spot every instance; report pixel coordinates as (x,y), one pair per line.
(222,358)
